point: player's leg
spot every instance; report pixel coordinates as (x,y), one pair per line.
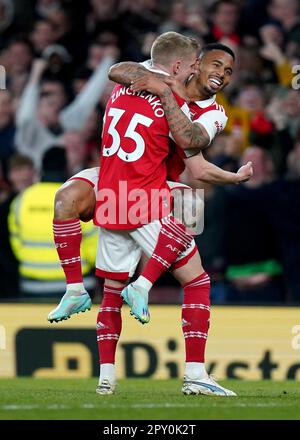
(163,242)
(174,238)
(195,325)
(109,326)
(74,201)
(117,258)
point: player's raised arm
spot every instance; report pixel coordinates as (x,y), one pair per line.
(205,171)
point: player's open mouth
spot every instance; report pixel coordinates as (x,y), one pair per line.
(214,82)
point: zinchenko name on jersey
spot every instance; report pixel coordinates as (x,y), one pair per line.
(153,100)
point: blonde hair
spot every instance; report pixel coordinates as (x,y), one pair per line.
(171,45)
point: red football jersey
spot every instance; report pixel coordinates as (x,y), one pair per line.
(132,187)
(207,113)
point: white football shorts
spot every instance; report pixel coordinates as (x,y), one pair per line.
(119,251)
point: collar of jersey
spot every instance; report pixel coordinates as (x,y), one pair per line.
(206,102)
(148,65)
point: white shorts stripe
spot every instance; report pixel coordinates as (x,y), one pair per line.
(172,225)
(172,236)
(178,233)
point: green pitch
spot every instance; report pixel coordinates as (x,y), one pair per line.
(144,399)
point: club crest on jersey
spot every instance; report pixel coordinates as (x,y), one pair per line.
(219,126)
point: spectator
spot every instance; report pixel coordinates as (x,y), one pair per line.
(251,249)
(186,20)
(6,21)
(7,129)
(224,23)
(42,36)
(282,207)
(283,110)
(247,115)
(67,36)
(30,231)
(59,63)
(38,115)
(177,18)
(137,19)
(273,50)
(286,12)
(18,57)
(21,175)
(75,147)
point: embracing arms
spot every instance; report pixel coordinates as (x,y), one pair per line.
(186,134)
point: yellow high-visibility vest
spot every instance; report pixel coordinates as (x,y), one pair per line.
(31,234)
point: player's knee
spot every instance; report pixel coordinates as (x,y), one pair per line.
(64,204)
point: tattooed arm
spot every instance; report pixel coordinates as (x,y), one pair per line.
(127,72)
(188,135)
(192,137)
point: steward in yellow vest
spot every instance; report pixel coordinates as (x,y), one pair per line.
(30,227)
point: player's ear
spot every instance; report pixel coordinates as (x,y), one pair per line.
(176,67)
(197,64)
(200,64)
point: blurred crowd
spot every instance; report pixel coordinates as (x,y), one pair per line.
(56,55)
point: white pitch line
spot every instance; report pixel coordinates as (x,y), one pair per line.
(143,406)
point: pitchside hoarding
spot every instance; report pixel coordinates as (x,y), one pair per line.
(244,343)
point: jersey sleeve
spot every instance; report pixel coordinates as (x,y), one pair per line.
(213,121)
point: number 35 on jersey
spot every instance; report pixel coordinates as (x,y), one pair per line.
(131,133)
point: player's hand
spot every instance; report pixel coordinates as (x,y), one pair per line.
(149,83)
(177,87)
(245,172)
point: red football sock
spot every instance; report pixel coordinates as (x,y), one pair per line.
(109,324)
(67,238)
(195,317)
(173,239)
